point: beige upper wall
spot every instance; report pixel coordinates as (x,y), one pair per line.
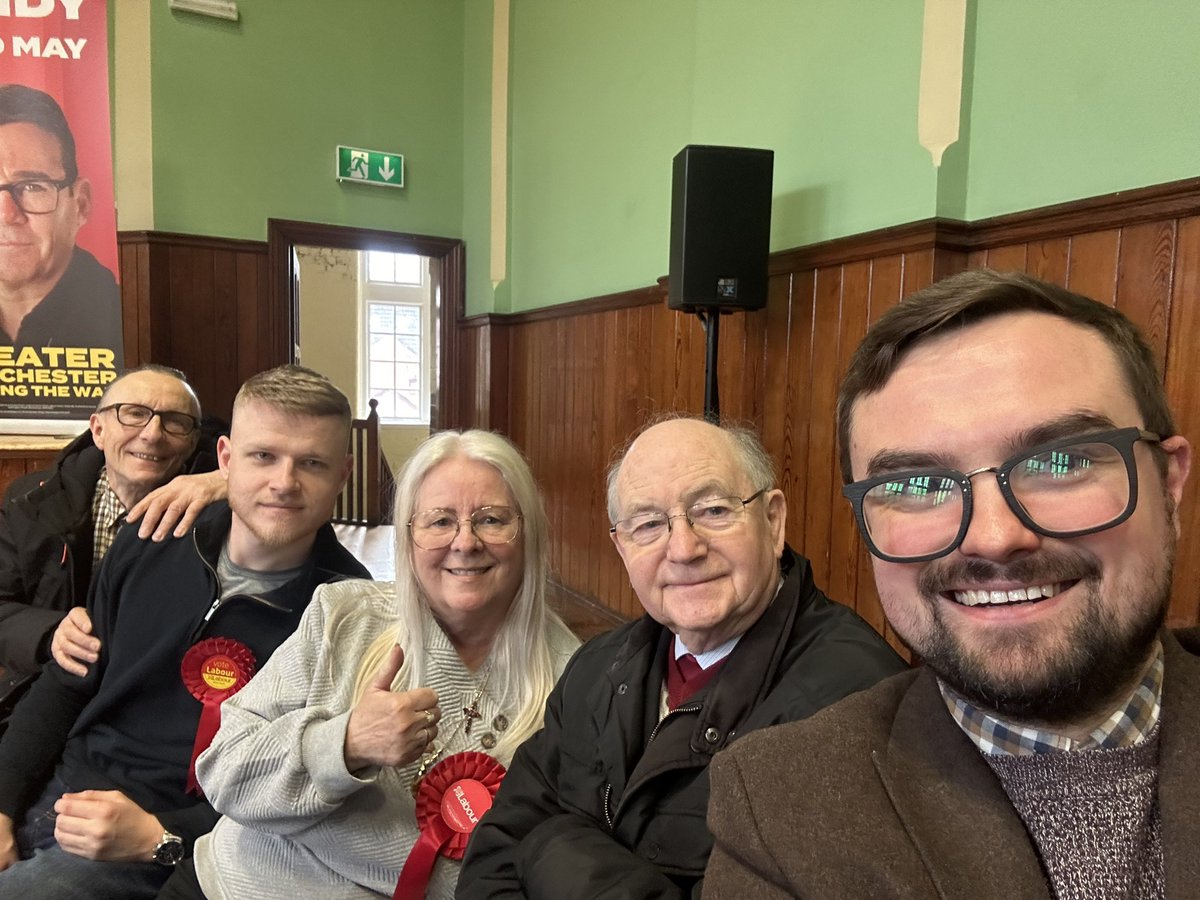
(133,143)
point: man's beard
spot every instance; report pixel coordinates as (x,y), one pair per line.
(1070,674)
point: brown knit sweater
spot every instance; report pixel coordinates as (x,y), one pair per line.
(1093,816)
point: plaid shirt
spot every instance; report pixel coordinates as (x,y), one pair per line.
(1129,725)
(108,514)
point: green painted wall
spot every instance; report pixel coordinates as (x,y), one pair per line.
(1061,100)
(1076,98)
(605,95)
(247,115)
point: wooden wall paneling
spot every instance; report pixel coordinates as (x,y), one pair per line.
(1143,289)
(566,368)
(1048,259)
(886,286)
(197,341)
(977,259)
(803,331)
(251,330)
(1007,259)
(946,261)
(843,538)
(609,381)
(499,402)
(1183,390)
(917,270)
(1093,265)
(225,324)
(827,323)
(135,301)
(777,374)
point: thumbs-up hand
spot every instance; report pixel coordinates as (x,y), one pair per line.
(389,728)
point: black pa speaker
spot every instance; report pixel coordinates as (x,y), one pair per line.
(720,228)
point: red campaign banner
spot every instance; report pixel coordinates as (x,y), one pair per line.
(60,304)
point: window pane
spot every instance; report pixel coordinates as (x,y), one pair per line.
(408,268)
(408,348)
(382,376)
(408,375)
(381,317)
(383,348)
(408,319)
(394,268)
(408,404)
(381,266)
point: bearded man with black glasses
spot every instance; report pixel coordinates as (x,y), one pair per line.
(608,800)
(1015,472)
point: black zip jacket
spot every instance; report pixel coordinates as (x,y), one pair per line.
(129,725)
(46,543)
(607,801)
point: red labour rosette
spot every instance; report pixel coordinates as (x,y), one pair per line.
(452,799)
(213,670)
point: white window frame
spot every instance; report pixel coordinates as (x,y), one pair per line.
(399,295)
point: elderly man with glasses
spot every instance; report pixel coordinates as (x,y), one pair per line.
(52,293)
(1015,472)
(56,526)
(609,798)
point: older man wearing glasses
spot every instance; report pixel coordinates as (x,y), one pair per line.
(56,526)
(1015,471)
(609,799)
(52,293)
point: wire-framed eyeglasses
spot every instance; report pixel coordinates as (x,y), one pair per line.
(433,529)
(36,196)
(706,518)
(135,415)
(1061,489)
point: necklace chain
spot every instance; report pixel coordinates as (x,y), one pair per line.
(466,718)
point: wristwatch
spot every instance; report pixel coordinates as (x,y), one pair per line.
(169,850)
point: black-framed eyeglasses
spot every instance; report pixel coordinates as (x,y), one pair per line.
(707,518)
(36,196)
(433,529)
(1061,489)
(135,415)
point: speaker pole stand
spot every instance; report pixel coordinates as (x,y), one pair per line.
(711,322)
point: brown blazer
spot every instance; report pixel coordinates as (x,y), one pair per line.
(882,795)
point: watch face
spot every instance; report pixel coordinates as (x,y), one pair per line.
(169,851)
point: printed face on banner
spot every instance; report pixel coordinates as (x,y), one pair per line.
(35,247)
(61,331)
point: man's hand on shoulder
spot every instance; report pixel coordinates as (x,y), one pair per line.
(105,825)
(8,843)
(73,646)
(176,505)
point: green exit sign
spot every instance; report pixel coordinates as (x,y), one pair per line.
(370,166)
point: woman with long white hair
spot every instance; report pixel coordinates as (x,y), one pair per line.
(318,759)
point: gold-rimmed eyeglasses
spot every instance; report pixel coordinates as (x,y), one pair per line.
(433,529)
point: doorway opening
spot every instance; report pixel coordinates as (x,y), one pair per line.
(334,309)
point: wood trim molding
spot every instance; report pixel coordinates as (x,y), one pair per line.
(1175,199)
(236,245)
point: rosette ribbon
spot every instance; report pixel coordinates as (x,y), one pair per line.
(213,670)
(452,799)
